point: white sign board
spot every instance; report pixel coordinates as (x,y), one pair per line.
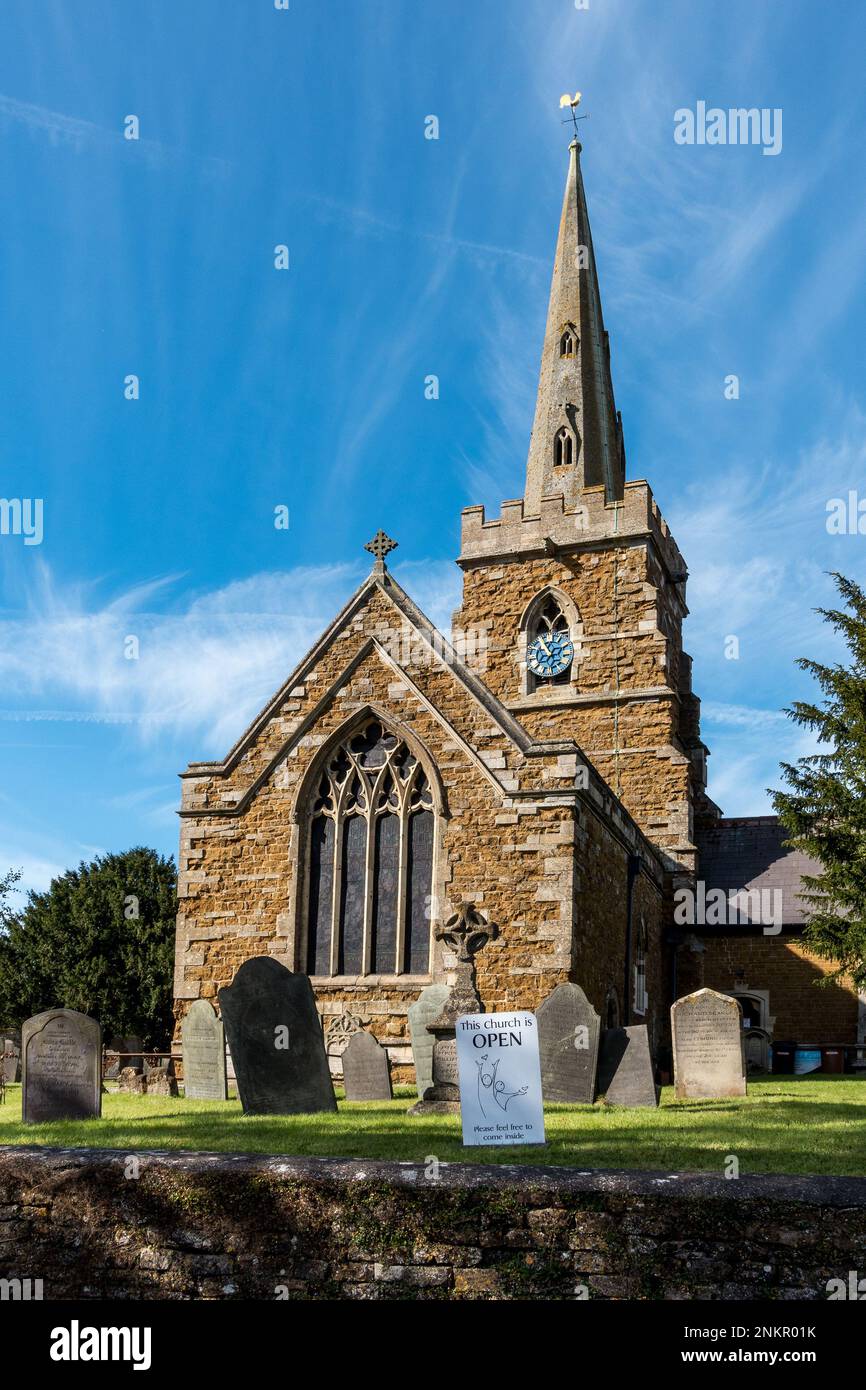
(500,1079)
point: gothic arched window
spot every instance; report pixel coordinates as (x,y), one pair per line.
(567,344)
(370,880)
(563,448)
(641,998)
(547,619)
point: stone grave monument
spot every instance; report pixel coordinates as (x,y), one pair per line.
(427,1006)
(709,1055)
(338,1032)
(204,1053)
(11,1060)
(465,933)
(625,1071)
(276,1040)
(61,1053)
(568,1034)
(366,1070)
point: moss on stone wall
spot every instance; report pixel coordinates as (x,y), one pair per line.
(236,1226)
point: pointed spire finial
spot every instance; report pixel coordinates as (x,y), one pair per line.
(576,440)
(380,546)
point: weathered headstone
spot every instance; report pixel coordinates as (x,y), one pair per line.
(338,1031)
(366,1072)
(204,1053)
(129,1051)
(625,1069)
(61,1054)
(465,933)
(709,1059)
(160,1080)
(156,1079)
(131,1081)
(11,1060)
(111,1064)
(568,1033)
(427,1006)
(276,1040)
(500,1079)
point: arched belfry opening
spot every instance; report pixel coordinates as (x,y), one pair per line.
(550,632)
(568,341)
(563,448)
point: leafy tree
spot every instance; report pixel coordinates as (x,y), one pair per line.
(100,940)
(825,810)
(7,883)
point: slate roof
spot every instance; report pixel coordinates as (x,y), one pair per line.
(747,853)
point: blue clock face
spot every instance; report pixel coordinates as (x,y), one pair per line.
(550,654)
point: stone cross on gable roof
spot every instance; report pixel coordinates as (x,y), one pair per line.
(380,546)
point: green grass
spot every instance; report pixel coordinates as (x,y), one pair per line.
(784,1125)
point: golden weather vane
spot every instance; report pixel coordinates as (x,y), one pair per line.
(572,102)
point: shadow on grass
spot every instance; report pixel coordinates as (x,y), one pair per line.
(783,1126)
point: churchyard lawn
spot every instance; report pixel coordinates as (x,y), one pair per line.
(783,1125)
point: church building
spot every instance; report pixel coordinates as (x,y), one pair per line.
(547,767)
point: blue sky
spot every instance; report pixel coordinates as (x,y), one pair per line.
(408,257)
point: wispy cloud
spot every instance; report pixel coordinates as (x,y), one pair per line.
(202,671)
(363,220)
(61,129)
(763,552)
(742,716)
(747,746)
(496,468)
(762,560)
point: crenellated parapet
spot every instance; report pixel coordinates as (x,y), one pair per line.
(556,528)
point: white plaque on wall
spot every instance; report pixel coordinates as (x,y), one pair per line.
(500,1079)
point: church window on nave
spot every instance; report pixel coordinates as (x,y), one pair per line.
(370,880)
(563,448)
(641,998)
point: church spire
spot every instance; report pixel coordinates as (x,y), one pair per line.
(576,436)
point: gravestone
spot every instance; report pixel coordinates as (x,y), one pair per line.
(131,1081)
(204,1053)
(709,1057)
(61,1053)
(568,1033)
(11,1060)
(338,1031)
(160,1080)
(366,1072)
(276,1040)
(129,1050)
(466,932)
(427,1006)
(500,1079)
(625,1069)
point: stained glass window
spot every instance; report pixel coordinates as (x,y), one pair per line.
(371,860)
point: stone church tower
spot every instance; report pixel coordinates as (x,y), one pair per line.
(589,553)
(556,784)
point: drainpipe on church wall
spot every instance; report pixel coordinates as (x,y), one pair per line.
(634,863)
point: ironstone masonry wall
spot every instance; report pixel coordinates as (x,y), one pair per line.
(226,1226)
(621,570)
(551,873)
